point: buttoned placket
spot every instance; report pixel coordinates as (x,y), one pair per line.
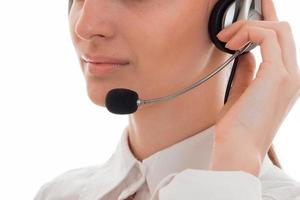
(139,173)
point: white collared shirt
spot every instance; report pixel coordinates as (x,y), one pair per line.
(178,172)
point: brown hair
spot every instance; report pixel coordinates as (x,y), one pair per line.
(273,156)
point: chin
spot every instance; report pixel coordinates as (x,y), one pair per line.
(97,93)
(97,89)
(98,99)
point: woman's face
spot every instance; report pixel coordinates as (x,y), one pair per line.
(165,42)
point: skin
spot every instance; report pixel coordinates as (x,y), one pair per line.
(257,107)
(168,47)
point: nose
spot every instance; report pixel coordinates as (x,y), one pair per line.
(94,19)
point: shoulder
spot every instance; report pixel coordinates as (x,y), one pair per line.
(278,183)
(69,184)
(273,183)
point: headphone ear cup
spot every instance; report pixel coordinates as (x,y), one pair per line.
(215,24)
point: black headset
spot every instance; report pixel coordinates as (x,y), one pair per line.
(225,13)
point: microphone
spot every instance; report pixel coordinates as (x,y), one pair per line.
(126,101)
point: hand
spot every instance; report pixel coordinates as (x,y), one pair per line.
(256,107)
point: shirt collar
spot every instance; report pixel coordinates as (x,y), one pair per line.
(192,152)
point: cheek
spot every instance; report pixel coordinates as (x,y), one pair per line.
(168,33)
(72,23)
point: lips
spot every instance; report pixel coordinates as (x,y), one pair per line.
(104,60)
(103,66)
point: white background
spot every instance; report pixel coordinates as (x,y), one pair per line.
(47,122)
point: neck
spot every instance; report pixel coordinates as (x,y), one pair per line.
(157,126)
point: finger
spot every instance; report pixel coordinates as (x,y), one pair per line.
(269,11)
(244,75)
(284,34)
(269,45)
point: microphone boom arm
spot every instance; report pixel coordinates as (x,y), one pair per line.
(249,45)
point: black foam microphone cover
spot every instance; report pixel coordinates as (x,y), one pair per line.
(121,101)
